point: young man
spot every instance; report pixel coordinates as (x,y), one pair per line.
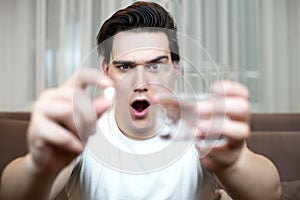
(124,158)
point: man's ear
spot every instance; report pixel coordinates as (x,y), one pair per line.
(104,66)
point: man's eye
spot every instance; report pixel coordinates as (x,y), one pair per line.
(124,67)
(154,67)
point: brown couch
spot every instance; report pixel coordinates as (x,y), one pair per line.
(276,136)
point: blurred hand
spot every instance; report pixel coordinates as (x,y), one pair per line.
(61,117)
(235,127)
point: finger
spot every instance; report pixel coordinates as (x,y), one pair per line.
(234,107)
(223,127)
(235,130)
(84,114)
(101,105)
(56,135)
(59,111)
(89,76)
(237,108)
(78,118)
(230,88)
(211,127)
(57,93)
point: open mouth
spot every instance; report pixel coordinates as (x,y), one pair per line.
(140,107)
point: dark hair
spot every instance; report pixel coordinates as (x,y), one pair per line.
(138,17)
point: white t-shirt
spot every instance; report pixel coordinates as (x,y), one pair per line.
(114,166)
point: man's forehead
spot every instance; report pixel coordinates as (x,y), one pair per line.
(134,43)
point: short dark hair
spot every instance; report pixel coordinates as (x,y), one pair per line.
(138,17)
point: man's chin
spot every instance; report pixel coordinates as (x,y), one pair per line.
(136,127)
(142,129)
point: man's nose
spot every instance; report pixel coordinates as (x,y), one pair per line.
(141,80)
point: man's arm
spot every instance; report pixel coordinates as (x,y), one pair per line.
(244,174)
(61,117)
(252,177)
(20,181)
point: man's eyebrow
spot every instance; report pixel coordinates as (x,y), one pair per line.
(125,62)
(121,62)
(155,60)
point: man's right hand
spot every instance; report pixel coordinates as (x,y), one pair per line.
(61,118)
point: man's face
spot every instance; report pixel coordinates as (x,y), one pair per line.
(141,67)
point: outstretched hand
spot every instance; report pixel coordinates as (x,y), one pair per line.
(62,118)
(235,127)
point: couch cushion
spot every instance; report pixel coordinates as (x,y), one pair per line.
(277,136)
(282,148)
(290,190)
(24,116)
(275,122)
(13,140)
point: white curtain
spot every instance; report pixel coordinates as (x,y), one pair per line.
(45,41)
(17,53)
(67,30)
(259,40)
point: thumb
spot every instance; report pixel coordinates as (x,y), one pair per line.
(101,105)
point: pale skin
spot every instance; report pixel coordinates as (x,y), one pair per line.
(54,139)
